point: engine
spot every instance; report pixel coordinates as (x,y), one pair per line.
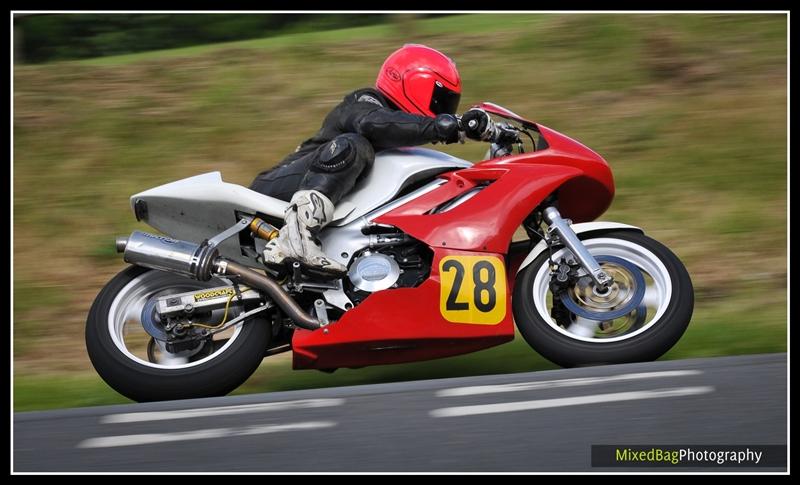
(402,266)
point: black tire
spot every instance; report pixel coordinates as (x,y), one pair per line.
(141,383)
(647,346)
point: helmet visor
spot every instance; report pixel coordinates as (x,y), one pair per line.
(444,100)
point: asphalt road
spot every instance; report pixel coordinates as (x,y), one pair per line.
(540,421)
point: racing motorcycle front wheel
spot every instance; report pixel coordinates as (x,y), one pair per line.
(638,318)
(141,368)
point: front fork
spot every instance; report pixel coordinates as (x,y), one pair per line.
(560,226)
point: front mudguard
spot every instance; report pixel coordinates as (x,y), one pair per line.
(583,228)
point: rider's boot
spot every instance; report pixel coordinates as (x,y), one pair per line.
(308,212)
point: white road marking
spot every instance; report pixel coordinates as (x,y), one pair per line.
(568,401)
(582,381)
(219,411)
(152,438)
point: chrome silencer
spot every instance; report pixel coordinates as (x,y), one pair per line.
(167,254)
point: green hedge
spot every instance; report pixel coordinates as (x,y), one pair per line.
(49,37)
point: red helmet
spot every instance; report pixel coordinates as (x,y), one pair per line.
(420,80)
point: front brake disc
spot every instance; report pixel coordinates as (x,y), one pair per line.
(619,299)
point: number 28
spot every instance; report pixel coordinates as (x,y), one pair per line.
(473,289)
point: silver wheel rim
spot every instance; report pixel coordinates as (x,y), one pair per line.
(124,317)
(658,292)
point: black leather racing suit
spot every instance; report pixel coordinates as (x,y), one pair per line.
(344,148)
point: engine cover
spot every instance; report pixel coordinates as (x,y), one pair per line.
(374,272)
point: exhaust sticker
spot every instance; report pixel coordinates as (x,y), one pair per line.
(473,289)
(207,295)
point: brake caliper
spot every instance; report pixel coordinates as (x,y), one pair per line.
(562,276)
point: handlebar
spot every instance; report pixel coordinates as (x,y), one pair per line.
(500,133)
(503,134)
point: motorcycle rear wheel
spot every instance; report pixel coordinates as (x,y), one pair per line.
(121,352)
(643,335)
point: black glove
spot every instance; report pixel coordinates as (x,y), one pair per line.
(446,128)
(476,124)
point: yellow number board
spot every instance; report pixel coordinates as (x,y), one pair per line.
(473,289)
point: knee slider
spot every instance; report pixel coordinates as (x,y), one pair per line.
(335,156)
(343,152)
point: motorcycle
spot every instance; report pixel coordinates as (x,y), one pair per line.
(432,272)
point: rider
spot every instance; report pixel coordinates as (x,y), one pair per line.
(414,102)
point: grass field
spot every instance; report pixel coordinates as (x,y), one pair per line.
(689,110)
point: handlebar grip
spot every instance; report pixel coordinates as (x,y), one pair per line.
(493,133)
(490,133)
(471,127)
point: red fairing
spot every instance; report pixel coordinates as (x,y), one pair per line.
(412,324)
(516,185)
(398,325)
(587,197)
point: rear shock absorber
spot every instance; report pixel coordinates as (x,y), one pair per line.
(263,229)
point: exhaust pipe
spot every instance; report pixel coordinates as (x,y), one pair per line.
(198,261)
(120,244)
(255,279)
(167,254)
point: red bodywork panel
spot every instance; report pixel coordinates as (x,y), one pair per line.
(517,184)
(406,324)
(397,325)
